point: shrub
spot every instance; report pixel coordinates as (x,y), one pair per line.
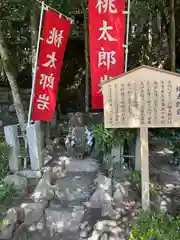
(6,191)
(135,178)
(4,164)
(155,226)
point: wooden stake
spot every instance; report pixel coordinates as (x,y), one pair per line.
(144,154)
(137,152)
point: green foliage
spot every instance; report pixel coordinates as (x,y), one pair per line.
(24,153)
(110,164)
(6,191)
(135,179)
(4,151)
(106,139)
(155,226)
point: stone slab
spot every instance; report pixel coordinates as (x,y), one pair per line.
(74,188)
(65,220)
(87,165)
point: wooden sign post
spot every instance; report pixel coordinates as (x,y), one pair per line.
(143,98)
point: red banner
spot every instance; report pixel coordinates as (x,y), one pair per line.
(107,32)
(54,39)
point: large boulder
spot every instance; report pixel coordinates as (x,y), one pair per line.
(33,211)
(18,182)
(44,189)
(8,224)
(102,197)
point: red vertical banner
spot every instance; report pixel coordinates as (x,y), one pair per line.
(107,34)
(52,47)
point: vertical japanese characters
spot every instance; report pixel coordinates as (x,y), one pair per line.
(169,102)
(53,43)
(107,30)
(178,100)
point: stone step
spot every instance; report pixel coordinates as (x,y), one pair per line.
(65,221)
(86,165)
(74,189)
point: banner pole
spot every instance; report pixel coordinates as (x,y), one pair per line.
(127,36)
(35,66)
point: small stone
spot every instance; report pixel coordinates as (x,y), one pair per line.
(32,228)
(40,225)
(46,158)
(84,225)
(83,234)
(56,140)
(104,236)
(18,182)
(12,109)
(118,198)
(105,224)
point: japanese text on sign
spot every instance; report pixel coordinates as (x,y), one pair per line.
(142,101)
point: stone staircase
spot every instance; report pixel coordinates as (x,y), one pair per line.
(66,210)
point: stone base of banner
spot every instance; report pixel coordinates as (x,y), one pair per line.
(40,128)
(35,145)
(11,136)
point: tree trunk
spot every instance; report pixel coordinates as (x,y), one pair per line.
(172,35)
(86,40)
(11,76)
(34,33)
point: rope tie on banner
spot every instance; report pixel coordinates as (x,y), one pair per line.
(60,14)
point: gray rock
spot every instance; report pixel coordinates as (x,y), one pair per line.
(30,174)
(83,225)
(55,204)
(104,183)
(12,109)
(33,211)
(104,236)
(8,224)
(86,229)
(83,234)
(19,182)
(102,197)
(46,158)
(120,194)
(103,227)
(44,189)
(41,224)
(64,220)
(32,228)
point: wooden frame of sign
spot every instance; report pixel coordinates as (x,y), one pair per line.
(143,98)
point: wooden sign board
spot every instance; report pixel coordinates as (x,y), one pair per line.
(144,97)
